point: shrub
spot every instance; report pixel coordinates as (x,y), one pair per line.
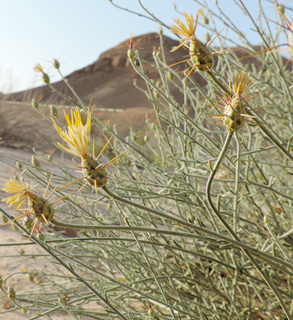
(192,222)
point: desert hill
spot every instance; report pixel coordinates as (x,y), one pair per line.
(107,84)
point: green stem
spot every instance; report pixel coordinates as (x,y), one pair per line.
(267,187)
(66,266)
(153,16)
(173,104)
(233,234)
(274,261)
(218,83)
(151,210)
(73,91)
(210,180)
(275,141)
(236,188)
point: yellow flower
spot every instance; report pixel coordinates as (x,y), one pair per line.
(77,135)
(240,84)
(37,206)
(21,193)
(77,138)
(200,57)
(38,68)
(187,32)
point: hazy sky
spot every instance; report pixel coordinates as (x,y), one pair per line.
(76,32)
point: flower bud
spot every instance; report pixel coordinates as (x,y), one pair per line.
(35,104)
(205,20)
(21,251)
(131,53)
(45,77)
(35,162)
(151,311)
(28,222)
(41,236)
(207,37)
(56,64)
(19,165)
(170,76)
(11,293)
(31,277)
(281,9)
(53,110)
(156,54)
(4,218)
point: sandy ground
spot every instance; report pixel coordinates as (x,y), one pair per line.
(22,128)
(12,263)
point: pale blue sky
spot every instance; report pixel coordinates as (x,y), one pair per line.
(77,32)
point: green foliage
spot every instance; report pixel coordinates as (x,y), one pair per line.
(195,221)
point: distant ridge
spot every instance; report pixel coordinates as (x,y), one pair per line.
(107,84)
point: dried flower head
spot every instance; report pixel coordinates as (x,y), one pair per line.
(77,135)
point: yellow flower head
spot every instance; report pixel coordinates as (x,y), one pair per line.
(21,193)
(38,68)
(77,135)
(240,84)
(38,206)
(187,32)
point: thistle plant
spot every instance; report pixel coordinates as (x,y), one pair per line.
(196,222)
(233,105)
(200,57)
(38,206)
(77,137)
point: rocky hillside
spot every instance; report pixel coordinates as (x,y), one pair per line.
(107,83)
